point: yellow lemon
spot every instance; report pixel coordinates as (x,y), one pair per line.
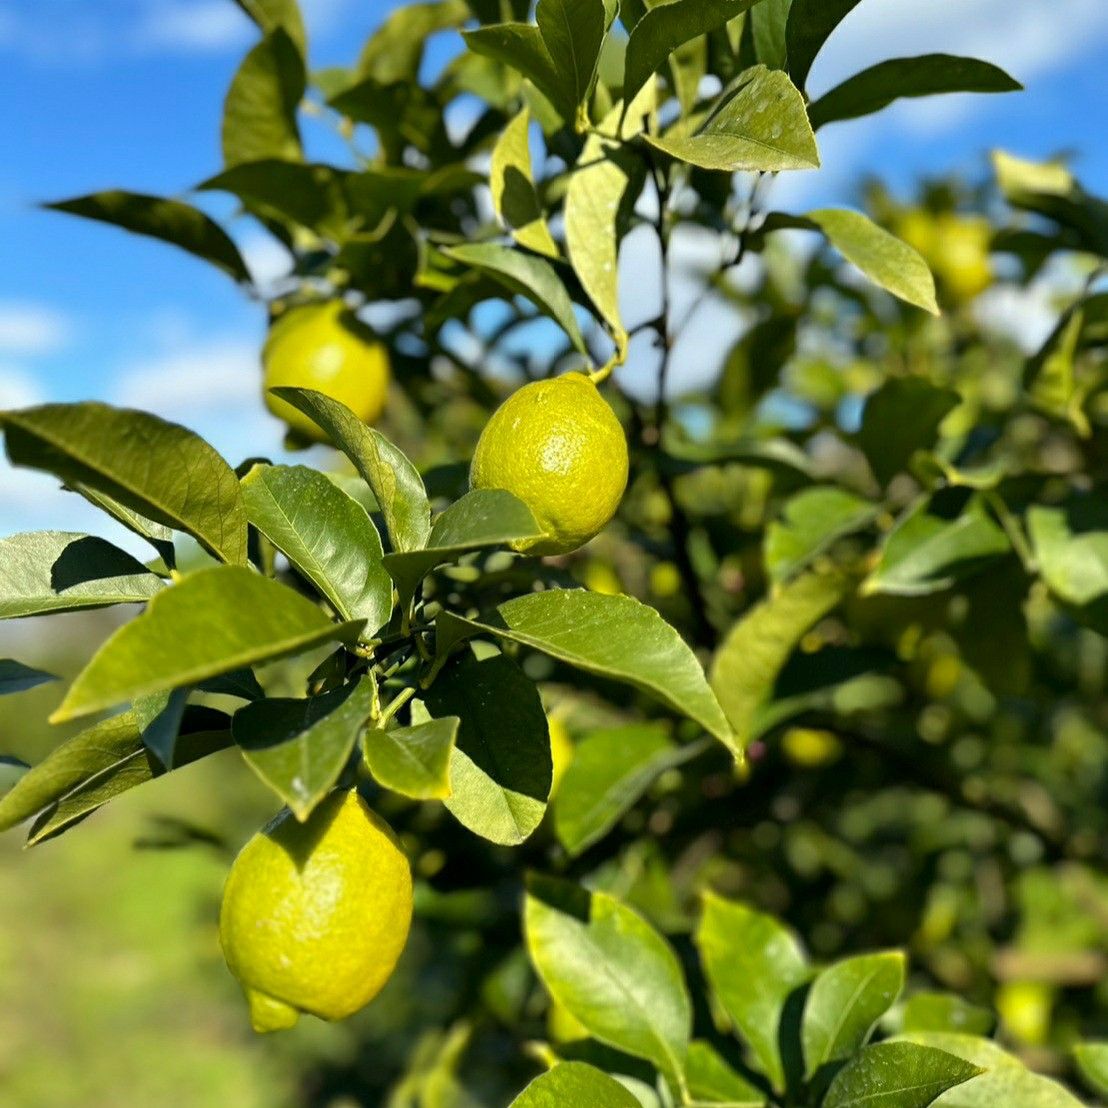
(1025,1009)
(325,347)
(561,751)
(963,261)
(316,914)
(810,748)
(558,446)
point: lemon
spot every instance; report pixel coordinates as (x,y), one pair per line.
(316,914)
(1025,1009)
(562,750)
(323,346)
(956,247)
(558,446)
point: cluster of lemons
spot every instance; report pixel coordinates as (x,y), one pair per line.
(316,914)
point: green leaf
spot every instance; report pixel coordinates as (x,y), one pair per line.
(757,647)
(12,771)
(611,636)
(667,26)
(395,482)
(899,1075)
(577,1084)
(324,534)
(610,771)
(300,747)
(61,571)
(16,677)
(157,534)
(809,26)
(573,32)
(937,543)
(214,621)
(901,417)
(414,761)
(500,769)
(259,114)
(1092,1063)
(768,23)
(712,1081)
(1071,547)
(100,763)
(160,716)
(844,1004)
(308,195)
(611,971)
(169,221)
(945,1012)
(877,87)
(1051,376)
(158,469)
(271,14)
(812,521)
(482,518)
(753,964)
(513,188)
(524,275)
(395,50)
(521,47)
(889,263)
(761,126)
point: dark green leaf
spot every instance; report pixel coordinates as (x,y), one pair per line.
(300,747)
(877,87)
(521,46)
(901,417)
(414,761)
(158,469)
(324,534)
(574,1083)
(58,571)
(573,31)
(898,1075)
(809,26)
(259,114)
(611,971)
(500,770)
(157,534)
(212,622)
(271,14)
(16,677)
(394,480)
(168,220)
(768,21)
(753,963)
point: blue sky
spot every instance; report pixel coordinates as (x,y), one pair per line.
(128,92)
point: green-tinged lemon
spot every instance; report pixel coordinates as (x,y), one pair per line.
(316,914)
(558,446)
(324,346)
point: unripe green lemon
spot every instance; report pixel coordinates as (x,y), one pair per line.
(558,446)
(316,914)
(325,347)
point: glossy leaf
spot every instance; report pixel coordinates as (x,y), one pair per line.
(300,747)
(482,518)
(811,522)
(611,636)
(749,659)
(215,621)
(898,1075)
(761,126)
(61,571)
(159,469)
(527,276)
(500,769)
(171,221)
(157,534)
(712,1081)
(753,964)
(901,417)
(844,1004)
(575,1083)
(809,26)
(573,31)
(768,21)
(16,677)
(610,771)
(937,543)
(394,480)
(665,27)
(259,114)
(414,761)
(513,188)
(611,971)
(324,534)
(877,87)
(521,47)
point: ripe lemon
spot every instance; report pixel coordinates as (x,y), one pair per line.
(325,347)
(956,247)
(558,446)
(316,914)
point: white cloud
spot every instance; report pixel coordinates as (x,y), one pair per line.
(268,261)
(187,26)
(18,388)
(28,328)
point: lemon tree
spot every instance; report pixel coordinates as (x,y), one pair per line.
(624,718)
